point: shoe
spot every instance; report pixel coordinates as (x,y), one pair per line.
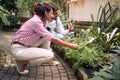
(51,63)
(24,72)
(21,67)
(54,63)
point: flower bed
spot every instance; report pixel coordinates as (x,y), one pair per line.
(79,72)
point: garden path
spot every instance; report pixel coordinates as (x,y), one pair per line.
(37,72)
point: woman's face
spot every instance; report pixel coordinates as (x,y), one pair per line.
(49,15)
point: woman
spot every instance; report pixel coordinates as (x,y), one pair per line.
(32,35)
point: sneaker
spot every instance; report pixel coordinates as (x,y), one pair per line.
(21,67)
(54,63)
(51,63)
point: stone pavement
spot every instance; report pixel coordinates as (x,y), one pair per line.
(36,72)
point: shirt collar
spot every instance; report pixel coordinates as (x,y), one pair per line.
(37,18)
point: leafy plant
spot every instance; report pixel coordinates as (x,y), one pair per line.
(117,50)
(80,56)
(106,16)
(8,4)
(105,40)
(109,73)
(105,29)
(3,16)
(112,71)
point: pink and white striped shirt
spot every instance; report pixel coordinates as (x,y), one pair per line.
(31,31)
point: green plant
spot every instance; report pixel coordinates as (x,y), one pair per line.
(116,50)
(87,56)
(8,4)
(3,16)
(80,56)
(105,40)
(106,27)
(109,73)
(106,17)
(112,71)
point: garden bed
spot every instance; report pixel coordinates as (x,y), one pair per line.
(81,74)
(86,73)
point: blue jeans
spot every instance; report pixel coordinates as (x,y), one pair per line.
(58,35)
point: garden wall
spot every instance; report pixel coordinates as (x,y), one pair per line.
(81,10)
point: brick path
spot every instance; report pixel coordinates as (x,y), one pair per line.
(36,72)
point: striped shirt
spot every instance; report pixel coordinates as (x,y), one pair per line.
(31,31)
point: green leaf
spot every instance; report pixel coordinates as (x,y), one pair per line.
(96,78)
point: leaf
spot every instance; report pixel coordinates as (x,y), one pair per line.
(107,75)
(91,40)
(112,34)
(117,51)
(4,11)
(96,78)
(4,19)
(108,36)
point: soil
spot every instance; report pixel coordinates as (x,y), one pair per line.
(90,71)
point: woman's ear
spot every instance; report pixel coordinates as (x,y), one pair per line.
(45,13)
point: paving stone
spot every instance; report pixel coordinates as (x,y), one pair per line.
(55,71)
(56,75)
(15,76)
(39,79)
(32,75)
(8,75)
(63,74)
(64,78)
(15,79)
(31,79)
(40,76)
(56,79)
(22,78)
(62,70)
(5,79)
(48,78)
(48,74)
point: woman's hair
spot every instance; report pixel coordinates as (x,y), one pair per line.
(55,7)
(41,7)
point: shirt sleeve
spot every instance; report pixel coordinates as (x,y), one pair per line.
(59,27)
(42,31)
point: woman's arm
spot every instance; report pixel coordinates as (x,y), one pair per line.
(63,43)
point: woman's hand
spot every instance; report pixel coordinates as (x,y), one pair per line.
(73,46)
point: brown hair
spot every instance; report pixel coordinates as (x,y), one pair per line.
(41,7)
(55,7)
